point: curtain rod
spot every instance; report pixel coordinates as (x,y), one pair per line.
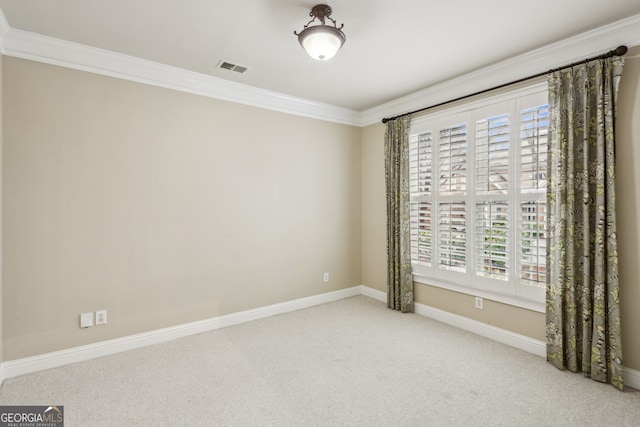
(619,51)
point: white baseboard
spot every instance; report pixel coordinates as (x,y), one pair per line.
(497,334)
(503,336)
(40,362)
(27,365)
(373,293)
(631,378)
(530,345)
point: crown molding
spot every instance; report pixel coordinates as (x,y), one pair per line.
(36,47)
(593,42)
(4,28)
(4,24)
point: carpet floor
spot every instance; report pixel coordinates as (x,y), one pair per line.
(347,363)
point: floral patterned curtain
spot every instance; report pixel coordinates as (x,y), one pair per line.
(396,159)
(583,298)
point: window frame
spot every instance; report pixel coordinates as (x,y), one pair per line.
(510,291)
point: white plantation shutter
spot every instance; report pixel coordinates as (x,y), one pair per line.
(453,159)
(533,261)
(492,239)
(478,182)
(452,223)
(452,212)
(420,158)
(420,188)
(421,237)
(534,128)
(492,155)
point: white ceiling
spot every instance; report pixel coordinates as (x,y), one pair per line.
(392,48)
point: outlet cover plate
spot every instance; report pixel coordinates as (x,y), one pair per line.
(101,317)
(86,320)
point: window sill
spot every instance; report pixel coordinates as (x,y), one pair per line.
(504,299)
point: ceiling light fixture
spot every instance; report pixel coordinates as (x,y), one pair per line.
(321,41)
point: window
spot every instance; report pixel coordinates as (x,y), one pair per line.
(478,197)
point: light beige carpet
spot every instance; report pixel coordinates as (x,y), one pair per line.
(347,363)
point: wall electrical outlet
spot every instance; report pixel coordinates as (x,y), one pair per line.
(86,320)
(479,303)
(101,317)
(325,278)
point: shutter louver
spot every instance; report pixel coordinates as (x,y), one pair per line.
(534,130)
(452,225)
(453,160)
(421,237)
(420,164)
(492,155)
(420,187)
(533,259)
(492,239)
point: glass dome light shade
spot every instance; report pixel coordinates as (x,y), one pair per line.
(321,42)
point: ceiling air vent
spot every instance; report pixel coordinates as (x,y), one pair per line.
(232,67)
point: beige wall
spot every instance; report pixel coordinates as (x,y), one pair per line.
(514,319)
(374,209)
(165,208)
(628,204)
(162,207)
(1,187)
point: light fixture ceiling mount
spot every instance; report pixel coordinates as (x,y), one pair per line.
(321,41)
